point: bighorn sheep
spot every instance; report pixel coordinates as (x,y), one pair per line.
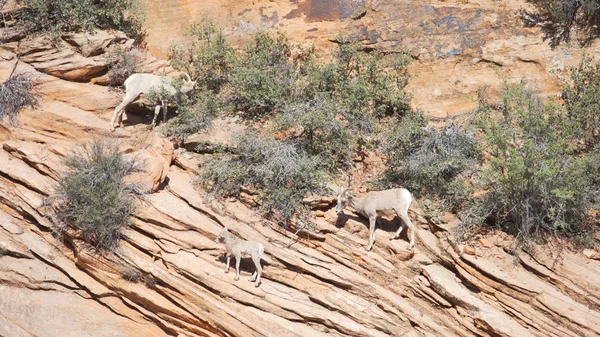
(398,199)
(142,84)
(241,248)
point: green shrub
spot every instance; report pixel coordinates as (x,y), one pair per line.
(60,16)
(93,195)
(429,162)
(207,58)
(316,128)
(282,173)
(16,93)
(582,101)
(263,77)
(122,64)
(559,17)
(194,118)
(367,86)
(536,181)
(324,110)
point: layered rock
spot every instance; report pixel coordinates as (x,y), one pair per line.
(321,285)
(314,284)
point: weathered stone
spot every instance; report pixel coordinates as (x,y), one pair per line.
(468,250)
(591,254)
(92,44)
(328,285)
(486,243)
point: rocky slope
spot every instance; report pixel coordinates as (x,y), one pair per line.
(324,284)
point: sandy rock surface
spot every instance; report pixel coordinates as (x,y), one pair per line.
(326,284)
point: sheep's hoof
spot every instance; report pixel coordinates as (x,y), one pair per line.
(252,279)
(236,278)
(257,284)
(226,271)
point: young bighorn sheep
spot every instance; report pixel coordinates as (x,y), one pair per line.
(398,199)
(241,248)
(137,85)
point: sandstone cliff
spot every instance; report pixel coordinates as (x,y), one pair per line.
(325,285)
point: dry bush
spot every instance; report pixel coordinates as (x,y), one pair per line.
(93,195)
(16,94)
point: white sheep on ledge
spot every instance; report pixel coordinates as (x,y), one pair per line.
(241,248)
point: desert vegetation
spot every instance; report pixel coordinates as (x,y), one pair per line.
(16,94)
(520,163)
(560,18)
(56,17)
(93,195)
(313,114)
(122,63)
(540,177)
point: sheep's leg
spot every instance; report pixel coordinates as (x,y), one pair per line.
(164,108)
(401,228)
(120,109)
(227,267)
(411,226)
(116,114)
(156,112)
(237,268)
(372,222)
(256,276)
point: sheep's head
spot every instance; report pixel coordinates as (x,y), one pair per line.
(221,237)
(342,199)
(188,85)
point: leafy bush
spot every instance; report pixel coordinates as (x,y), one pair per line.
(194,118)
(283,173)
(208,58)
(16,93)
(322,110)
(122,64)
(582,100)
(536,181)
(559,17)
(316,128)
(431,162)
(94,196)
(60,16)
(262,77)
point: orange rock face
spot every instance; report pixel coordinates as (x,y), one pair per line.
(457,46)
(167,277)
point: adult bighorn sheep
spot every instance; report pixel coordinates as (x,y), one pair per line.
(140,84)
(241,248)
(398,199)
